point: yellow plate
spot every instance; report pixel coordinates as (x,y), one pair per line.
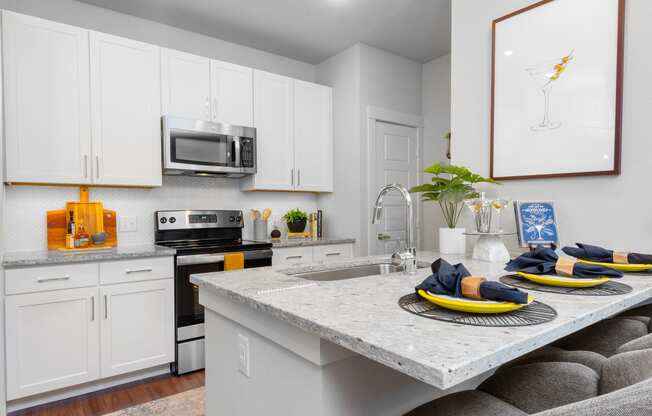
(621,267)
(471,305)
(550,280)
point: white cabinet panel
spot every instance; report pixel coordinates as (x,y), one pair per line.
(332,253)
(291,256)
(273,119)
(137,326)
(185,85)
(313,137)
(52,340)
(46,96)
(126,110)
(232,93)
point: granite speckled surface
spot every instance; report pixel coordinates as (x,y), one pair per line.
(362,315)
(305,243)
(46,258)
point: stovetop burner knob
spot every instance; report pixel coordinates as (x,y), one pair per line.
(172,220)
(163,220)
(231,218)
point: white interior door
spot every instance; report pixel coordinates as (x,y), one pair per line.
(395,162)
(185,85)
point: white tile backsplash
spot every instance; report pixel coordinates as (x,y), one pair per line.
(25,227)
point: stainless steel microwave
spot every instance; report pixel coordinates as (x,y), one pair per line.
(202,148)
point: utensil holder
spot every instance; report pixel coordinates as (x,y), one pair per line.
(260,230)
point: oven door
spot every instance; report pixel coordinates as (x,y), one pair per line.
(189,312)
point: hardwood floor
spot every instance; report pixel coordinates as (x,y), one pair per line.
(117,398)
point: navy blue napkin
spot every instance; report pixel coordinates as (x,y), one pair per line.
(543,260)
(446,279)
(602,255)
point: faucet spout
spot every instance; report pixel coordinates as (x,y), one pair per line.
(406,258)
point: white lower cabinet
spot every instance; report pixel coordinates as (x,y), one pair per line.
(52,340)
(67,336)
(294,256)
(136,326)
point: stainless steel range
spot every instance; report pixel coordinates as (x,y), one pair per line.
(201,239)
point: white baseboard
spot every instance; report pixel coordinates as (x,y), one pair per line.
(93,386)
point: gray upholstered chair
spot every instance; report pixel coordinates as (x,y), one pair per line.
(555,382)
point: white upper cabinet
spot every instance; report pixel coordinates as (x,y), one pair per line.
(47,115)
(232,94)
(185,85)
(273,119)
(125,111)
(313,137)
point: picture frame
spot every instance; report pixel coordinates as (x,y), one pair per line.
(536,223)
(556,92)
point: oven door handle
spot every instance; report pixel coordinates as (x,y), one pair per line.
(219,257)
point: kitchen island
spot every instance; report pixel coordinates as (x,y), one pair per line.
(282,345)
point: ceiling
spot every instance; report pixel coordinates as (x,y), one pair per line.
(307,30)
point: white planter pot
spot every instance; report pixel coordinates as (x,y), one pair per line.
(452,240)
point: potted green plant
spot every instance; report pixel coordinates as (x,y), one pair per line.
(449,187)
(296,220)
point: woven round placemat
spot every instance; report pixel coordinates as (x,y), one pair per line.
(610,288)
(533,314)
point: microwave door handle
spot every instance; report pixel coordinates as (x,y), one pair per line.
(237,159)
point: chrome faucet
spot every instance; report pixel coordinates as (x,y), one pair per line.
(406,258)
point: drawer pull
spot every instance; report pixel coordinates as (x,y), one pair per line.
(335,253)
(92,308)
(52,279)
(106,307)
(146,270)
(293,257)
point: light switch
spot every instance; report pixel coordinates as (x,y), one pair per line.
(128,224)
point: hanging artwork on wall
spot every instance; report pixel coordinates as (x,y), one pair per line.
(557,90)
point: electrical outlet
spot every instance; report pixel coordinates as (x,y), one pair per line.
(243,355)
(128,224)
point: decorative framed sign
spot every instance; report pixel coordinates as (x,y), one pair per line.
(557,90)
(536,223)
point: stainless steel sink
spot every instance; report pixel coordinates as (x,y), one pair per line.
(349,272)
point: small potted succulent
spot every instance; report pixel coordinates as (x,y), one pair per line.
(296,220)
(449,187)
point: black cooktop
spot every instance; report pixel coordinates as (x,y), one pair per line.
(214,246)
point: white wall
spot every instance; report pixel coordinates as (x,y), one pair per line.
(362,76)
(108,21)
(436,108)
(26,206)
(342,72)
(614,211)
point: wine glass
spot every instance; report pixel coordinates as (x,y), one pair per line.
(499,205)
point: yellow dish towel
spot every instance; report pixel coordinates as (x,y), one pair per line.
(233,261)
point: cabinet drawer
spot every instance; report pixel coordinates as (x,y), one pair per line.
(136,270)
(291,255)
(334,252)
(39,279)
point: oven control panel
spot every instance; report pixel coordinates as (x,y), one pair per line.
(181,220)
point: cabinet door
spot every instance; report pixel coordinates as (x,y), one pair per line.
(137,326)
(52,340)
(313,137)
(273,119)
(47,112)
(126,111)
(232,93)
(185,85)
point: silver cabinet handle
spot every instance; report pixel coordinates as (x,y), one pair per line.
(214,109)
(106,307)
(52,279)
(146,270)
(85,166)
(97,167)
(335,253)
(293,257)
(292,176)
(207,104)
(92,308)
(384,237)
(298,177)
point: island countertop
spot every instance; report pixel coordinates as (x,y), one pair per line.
(362,315)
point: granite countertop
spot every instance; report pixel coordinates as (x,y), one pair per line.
(45,257)
(308,242)
(363,316)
